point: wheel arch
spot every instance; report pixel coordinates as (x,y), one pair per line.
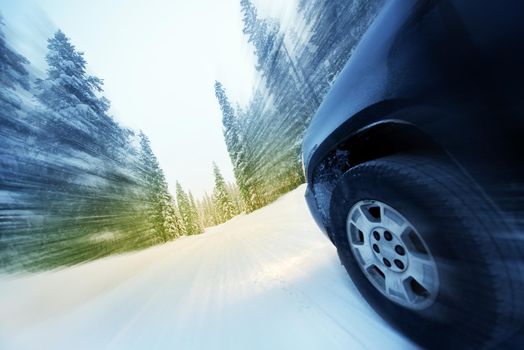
(380,139)
(385,138)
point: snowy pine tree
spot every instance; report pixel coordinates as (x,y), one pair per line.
(13,75)
(177,219)
(230,124)
(262,34)
(236,198)
(222,199)
(161,211)
(210,214)
(67,84)
(76,110)
(188,213)
(196,216)
(235,144)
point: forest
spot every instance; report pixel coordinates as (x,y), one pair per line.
(296,66)
(76,185)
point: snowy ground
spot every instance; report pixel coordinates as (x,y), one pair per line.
(268,280)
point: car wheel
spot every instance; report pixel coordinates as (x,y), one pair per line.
(428,252)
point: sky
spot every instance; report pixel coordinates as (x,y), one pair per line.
(159,60)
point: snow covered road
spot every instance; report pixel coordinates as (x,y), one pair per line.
(267,280)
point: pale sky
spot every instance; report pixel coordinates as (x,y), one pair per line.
(159,60)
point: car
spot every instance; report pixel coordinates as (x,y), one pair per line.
(414,164)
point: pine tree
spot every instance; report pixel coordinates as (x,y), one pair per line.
(231,128)
(197,220)
(13,74)
(236,146)
(67,84)
(181,228)
(209,210)
(263,34)
(161,211)
(236,198)
(222,199)
(76,109)
(188,212)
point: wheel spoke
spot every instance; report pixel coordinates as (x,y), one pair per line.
(364,255)
(361,222)
(395,286)
(393,221)
(422,270)
(412,241)
(373,218)
(381,219)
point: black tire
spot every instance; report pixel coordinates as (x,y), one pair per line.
(479,300)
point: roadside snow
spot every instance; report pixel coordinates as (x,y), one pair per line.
(268,280)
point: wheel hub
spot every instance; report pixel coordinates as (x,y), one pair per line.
(392,254)
(388,249)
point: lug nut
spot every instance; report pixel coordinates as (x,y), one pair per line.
(386,262)
(400,250)
(388,236)
(376,235)
(399,264)
(376,248)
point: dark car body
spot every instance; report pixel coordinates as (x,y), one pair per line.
(439,77)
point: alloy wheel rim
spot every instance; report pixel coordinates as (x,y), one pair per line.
(392,254)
